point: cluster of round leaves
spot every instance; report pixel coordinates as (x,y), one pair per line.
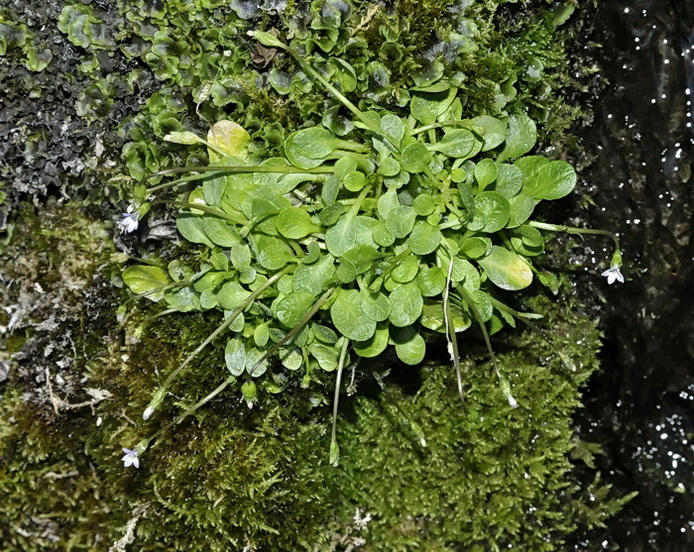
(409,225)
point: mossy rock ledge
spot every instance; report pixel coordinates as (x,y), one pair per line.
(93,89)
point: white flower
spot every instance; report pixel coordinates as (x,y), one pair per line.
(360,522)
(129,221)
(130,458)
(613,275)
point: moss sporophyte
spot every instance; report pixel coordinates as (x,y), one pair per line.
(416,222)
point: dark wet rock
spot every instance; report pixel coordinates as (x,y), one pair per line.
(640,408)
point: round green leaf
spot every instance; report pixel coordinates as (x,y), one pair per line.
(554,180)
(509,180)
(375,345)
(507,270)
(400,221)
(406,270)
(291,308)
(424,238)
(405,305)
(476,247)
(354,181)
(240,256)
(191,228)
(232,295)
(348,232)
(459,143)
(295,223)
(376,306)
(494,131)
(522,207)
(492,212)
(327,357)
(415,158)
(409,346)
(220,232)
(143,279)
(254,369)
(521,137)
(349,318)
(382,236)
(424,205)
(314,278)
(431,281)
(530,166)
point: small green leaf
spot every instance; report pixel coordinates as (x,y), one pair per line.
(382,235)
(416,158)
(267,39)
(324,334)
(376,306)
(254,369)
(219,261)
(494,131)
(530,165)
(354,181)
(349,318)
(431,281)
(240,256)
(327,357)
(527,240)
(229,137)
(232,295)
(492,212)
(235,356)
(291,308)
(400,221)
(274,257)
(143,279)
(507,270)
(186,138)
(476,247)
(295,223)
(393,127)
(348,232)
(554,180)
(261,335)
(485,173)
(375,345)
(509,180)
(220,232)
(405,305)
(424,205)
(428,105)
(522,207)
(459,143)
(521,138)
(387,203)
(409,346)
(314,278)
(424,238)
(192,229)
(406,270)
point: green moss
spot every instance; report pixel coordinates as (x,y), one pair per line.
(489,475)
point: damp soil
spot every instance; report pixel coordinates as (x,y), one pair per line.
(640,408)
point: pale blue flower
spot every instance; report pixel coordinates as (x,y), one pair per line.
(613,275)
(129,221)
(130,458)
